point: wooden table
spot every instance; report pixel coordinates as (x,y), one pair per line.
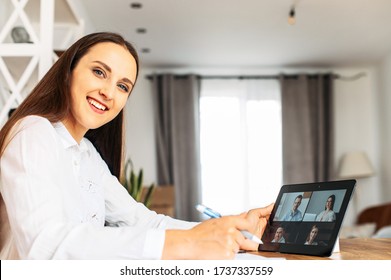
(350,249)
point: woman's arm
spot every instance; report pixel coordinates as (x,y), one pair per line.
(211,239)
(217,238)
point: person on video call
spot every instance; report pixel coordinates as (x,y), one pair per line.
(294,214)
(61,159)
(312,236)
(327,215)
(279,235)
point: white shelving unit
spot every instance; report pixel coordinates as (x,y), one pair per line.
(50,24)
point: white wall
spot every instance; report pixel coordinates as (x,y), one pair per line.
(140,131)
(356,122)
(385,127)
(4,11)
(356,129)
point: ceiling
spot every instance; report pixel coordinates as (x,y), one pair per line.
(250,33)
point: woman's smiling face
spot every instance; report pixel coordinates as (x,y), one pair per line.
(100,86)
(329,203)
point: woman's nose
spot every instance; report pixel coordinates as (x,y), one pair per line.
(107,92)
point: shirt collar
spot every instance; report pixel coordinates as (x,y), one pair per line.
(67,140)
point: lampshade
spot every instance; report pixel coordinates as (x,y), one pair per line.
(355,165)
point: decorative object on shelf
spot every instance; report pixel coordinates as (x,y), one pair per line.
(133,183)
(20,35)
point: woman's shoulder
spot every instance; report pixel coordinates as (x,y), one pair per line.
(34,120)
(32,127)
(32,135)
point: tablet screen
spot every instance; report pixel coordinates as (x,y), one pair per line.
(307,217)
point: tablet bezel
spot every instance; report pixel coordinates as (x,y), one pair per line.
(302,227)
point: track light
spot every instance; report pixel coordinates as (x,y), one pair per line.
(292,16)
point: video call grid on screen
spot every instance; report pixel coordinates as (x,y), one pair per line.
(311,206)
(295,230)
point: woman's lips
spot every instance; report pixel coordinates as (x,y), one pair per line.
(97,106)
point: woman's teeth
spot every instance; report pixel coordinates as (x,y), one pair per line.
(96,104)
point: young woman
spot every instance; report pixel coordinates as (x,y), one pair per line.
(328,214)
(61,156)
(312,236)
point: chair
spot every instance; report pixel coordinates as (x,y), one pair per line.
(380,215)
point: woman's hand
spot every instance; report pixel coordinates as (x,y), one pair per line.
(216,238)
(258,218)
(212,239)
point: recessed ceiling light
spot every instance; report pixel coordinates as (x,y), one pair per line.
(141,30)
(136,5)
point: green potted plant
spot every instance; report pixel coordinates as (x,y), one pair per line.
(133,183)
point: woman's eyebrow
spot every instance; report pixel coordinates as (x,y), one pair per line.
(108,69)
(126,80)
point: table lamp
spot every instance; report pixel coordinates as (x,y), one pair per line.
(355,165)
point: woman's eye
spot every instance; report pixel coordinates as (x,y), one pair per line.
(99,72)
(123,87)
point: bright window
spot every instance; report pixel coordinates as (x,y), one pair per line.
(241,147)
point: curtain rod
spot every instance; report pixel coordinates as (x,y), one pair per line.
(266,77)
(350,78)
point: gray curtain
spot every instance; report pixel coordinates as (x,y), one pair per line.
(307,128)
(176,105)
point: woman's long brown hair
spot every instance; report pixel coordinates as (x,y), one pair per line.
(51,99)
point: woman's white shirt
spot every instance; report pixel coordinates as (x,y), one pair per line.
(63,202)
(326,216)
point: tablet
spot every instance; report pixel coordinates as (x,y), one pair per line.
(306,218)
